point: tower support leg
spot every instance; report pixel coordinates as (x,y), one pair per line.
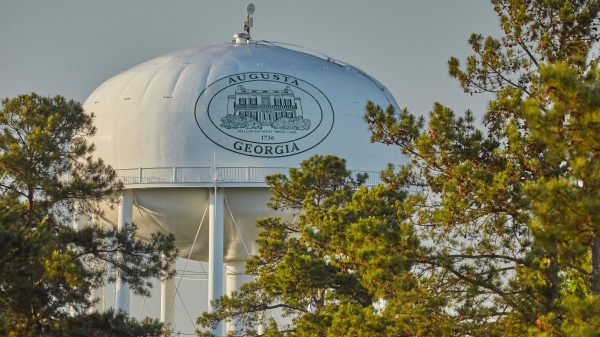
(98,293)
(167,303)
(77,224)
(263,324)
(236,278)
(215,253)
(124,220)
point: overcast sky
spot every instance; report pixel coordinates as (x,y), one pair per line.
(69,47)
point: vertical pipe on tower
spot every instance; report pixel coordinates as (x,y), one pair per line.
(97,292)
(124,220)
(77,224)
(167,303)
(236,278)
(262,326)
(215,253)
(77,220)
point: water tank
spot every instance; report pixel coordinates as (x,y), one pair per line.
(228,115)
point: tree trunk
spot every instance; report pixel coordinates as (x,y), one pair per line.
(595,279)
(553,278)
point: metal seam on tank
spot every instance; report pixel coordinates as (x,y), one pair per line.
(206,75)
(101,91)
(155,63)
(103,86)
(203,84)
(131,80)
(202,80)
(172,89)
(177,81)
(228,50)
(154,76)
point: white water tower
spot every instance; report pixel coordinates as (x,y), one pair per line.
(198,130)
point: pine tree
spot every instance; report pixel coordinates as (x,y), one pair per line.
(343,266)
(512,209)
(47,268)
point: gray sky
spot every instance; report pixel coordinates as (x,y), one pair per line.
(69,47)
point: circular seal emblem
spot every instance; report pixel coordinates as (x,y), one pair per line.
(264,114)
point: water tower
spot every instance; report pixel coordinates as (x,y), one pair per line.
(198,130)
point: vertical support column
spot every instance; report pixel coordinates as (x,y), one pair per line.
(263,324)
(236,278)
(261,327)
(215,252)
(167,300)
(98,293)
(124,220)
(77,224)
(77,221)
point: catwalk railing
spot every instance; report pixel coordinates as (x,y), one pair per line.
(176,175)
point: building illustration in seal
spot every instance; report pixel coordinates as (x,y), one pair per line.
(254,109)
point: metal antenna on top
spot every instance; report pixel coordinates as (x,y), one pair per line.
(249,22)
(245,36)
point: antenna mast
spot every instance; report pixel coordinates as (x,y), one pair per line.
(244,37)
(249,21)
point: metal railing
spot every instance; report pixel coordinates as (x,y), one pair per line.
(175,175)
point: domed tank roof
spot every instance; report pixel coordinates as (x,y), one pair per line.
(239,105)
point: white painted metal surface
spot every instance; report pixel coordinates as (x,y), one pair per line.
(124,220)
(167,296)
(147,116)
(235,278)
(215,254)
(161,124)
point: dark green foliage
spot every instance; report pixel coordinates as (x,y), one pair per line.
(106,324)
(47,268)
(329,271)
(512,212)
